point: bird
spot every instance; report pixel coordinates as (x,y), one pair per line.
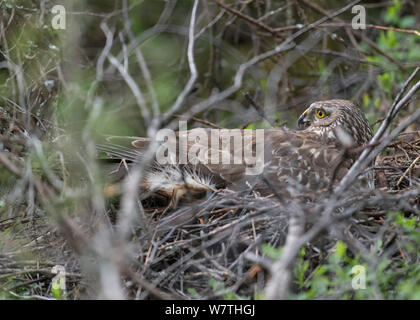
(309,159)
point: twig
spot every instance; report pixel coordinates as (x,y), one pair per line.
(259,109)
(145,113)
(191,63)
(247,18)
(344,24)
(277,287)
(205,122)
(407,171)
(140,59)
(10,165)
(211,24)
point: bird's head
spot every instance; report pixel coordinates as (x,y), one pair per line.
(330,117)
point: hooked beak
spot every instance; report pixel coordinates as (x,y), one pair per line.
(303,123)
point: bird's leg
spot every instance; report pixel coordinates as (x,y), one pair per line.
(177,192)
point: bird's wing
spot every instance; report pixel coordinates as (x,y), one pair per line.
(122,148)
(288,156)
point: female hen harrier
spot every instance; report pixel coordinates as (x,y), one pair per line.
(294,161)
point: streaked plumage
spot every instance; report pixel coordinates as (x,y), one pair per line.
(295,161)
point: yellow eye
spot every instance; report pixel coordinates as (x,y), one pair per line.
(320,114)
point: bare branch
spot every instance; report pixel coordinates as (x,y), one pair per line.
(191,63)
(145,113)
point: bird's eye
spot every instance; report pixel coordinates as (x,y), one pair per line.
(320,114)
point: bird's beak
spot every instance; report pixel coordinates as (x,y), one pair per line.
(303,123)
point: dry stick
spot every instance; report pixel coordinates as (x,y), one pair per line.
(159,27)
(192,253)
(205,122)
(102,57)
(247,18)
(403,89)
(10,165)
(224,232)
(407,171)
(339,54)
(152,289)
(27,283)
(259,109)
(32,297)
(145,113)
(140,60)
(17,272)
(281,275)
(191,64)
(51,176)
(129,204)
(210,24)
(16,71)
(345,24)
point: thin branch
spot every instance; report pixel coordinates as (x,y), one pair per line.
(259,109)
(145,113)
(249,19)
(140,60)
(191,63)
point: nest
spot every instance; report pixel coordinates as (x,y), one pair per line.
(400,167)
(214,247)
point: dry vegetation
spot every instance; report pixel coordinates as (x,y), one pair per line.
(132,67)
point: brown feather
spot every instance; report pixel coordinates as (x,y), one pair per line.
(306,157)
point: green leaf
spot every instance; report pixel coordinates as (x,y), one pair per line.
(366,100)
(56,290)
(216,285)
(386,80)
(340,249)
(192,291)
(273,253)
(391,15)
